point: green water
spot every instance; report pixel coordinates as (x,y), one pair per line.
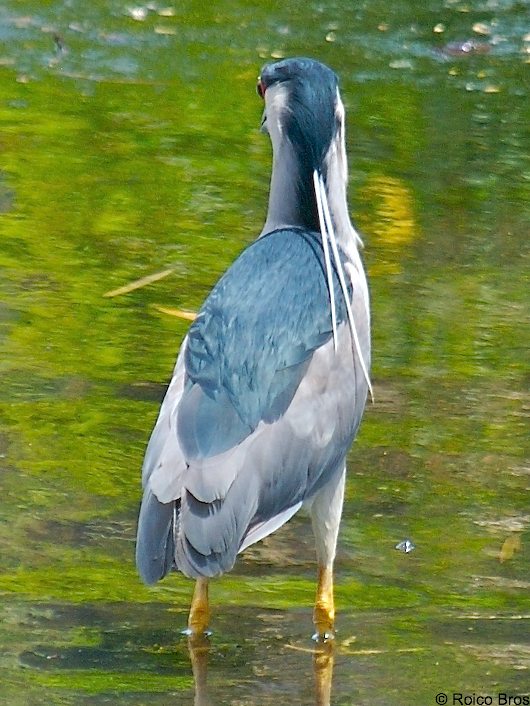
(129,145)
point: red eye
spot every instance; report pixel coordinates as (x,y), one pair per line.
(260,88)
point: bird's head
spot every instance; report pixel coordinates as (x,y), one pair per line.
(304,117)
(302,106)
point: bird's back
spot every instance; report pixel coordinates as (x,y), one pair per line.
(262,408)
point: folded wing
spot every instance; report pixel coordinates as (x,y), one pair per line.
(260,412)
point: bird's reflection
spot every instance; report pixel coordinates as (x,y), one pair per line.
(323,672)
(199,648)
(323,655)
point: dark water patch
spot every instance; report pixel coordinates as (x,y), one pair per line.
(143,391)
(19,387)
(50,658)
(494,629)
(7,197)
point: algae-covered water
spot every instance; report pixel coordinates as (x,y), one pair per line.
(129,146)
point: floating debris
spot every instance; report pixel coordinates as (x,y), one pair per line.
(138,283)
(59,49)
(76,27)
(405,546)
(180,313)
(138,13)
(401,64)
(165,30)
(481,28)
(468,47)
(60,46)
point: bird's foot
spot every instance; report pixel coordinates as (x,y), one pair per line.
(324,620)
(199,617)
(190,632)
(323,636)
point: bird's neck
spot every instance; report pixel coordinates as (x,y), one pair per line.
(292,199)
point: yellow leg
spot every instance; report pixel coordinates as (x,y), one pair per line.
(200,610)
(325,515)
(324,613)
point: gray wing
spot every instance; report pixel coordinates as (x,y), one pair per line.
(260,413)
(163,467)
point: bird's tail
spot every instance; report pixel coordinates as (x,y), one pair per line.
(210,533)
(155,543)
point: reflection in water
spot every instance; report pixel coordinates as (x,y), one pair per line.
(392,222)
(323,655)
(199,647)
(323,671)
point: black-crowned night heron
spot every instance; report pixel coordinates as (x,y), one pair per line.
(271,380)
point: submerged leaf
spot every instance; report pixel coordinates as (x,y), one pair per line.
(510,545)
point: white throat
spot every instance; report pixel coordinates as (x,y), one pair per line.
(282,195)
